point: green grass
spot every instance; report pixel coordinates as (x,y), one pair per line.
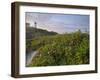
(60,49)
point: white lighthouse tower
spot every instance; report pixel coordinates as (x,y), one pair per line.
(35,24)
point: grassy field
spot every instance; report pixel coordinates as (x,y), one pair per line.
(60,49)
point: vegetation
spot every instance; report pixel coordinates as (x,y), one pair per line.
(32,32)
(59,49)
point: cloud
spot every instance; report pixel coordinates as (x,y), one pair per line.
(60,23)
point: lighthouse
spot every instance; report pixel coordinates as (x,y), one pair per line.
(35,24)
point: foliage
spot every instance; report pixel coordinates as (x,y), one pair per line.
(61,49)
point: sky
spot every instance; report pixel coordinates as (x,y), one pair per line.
(60,23)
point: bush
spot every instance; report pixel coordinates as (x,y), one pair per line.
(61,49)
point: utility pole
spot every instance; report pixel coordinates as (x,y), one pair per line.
(86,30)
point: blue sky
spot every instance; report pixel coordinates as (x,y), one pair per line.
(60,23)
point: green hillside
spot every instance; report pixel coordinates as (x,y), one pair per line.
(32,32)
(60,49)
